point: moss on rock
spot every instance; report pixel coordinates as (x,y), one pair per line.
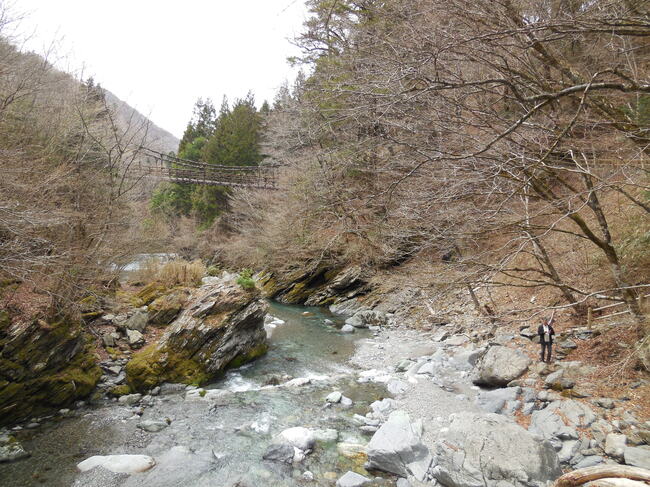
(43,366)
(121,390)
(148,294)
(222,326)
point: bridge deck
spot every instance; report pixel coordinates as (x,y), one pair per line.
(182,171)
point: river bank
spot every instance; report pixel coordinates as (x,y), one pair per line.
(352,396)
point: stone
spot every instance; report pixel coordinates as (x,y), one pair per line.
(396,386)
(221,326)
(299,437)
(560,419)
(282,453)
(600,429)
(384,407)
(604,402)
(108,340)
(325,435)
(491,450)
(10,449)
(365,318)
(347,329)
(298,455)
(558,381)
(569,450)
(298,382)
(397,447)
(495,401)
(428,368)
(590,461)
(567,344)
(130,399)
(637,456)
(135,338)
(118,463)
(352,479)
(334,397)
(153,426)
(500,365)
(345,402)
(404,365)
(615,445)
(138,321)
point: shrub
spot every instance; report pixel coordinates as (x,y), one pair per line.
(246,280)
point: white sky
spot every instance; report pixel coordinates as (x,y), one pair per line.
(161,55)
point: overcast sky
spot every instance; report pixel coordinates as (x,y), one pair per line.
(161,55)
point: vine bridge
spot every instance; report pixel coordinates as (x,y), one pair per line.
(182,171)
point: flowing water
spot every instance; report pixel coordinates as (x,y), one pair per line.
(218,442)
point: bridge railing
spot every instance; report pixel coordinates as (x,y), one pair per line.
(174,169)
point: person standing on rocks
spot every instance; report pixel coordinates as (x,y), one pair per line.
(546,332)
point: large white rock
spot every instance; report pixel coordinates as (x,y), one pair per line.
(500,365)
(352,479)
(299,437)
(559,420)
(397,447)
(491,450)
(637,457)
(118,463)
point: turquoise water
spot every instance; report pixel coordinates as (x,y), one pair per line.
(220,442)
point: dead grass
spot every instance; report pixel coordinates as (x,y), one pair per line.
(173,273)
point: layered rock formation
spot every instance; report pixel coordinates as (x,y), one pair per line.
(42,366)
(221,326)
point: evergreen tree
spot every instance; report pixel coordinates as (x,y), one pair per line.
(236,140)
(202,124)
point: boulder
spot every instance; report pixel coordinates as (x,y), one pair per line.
(397,447)
(118,463)
(138,321)
(559,381)
(637,456)
(282,453)
(559,420)
(334,397)
(299,437)
(222,326)
(347,329)
(495,401)
(365,318)
(500,365)
(492,450)
(130,399)
(352,479)
(135,338)
(615,445)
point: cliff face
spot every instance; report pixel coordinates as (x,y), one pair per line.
(222,326)
(42,366)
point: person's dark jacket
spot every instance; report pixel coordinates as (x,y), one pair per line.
(540,332)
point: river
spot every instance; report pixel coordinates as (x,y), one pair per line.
(218,442)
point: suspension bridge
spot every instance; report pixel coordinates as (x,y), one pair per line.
(165,167)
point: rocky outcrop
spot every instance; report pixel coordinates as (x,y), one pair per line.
(222,326)
(321,286)
(492,450)
(500,365)
(43,366)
